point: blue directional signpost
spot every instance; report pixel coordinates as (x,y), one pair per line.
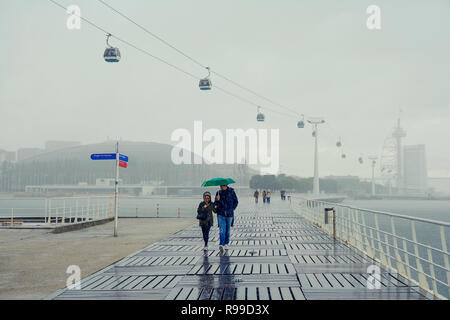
(121,161)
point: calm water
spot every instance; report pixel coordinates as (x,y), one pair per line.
(429,209)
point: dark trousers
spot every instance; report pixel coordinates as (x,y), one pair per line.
(205,231)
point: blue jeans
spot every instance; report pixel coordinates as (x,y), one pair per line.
(224,227)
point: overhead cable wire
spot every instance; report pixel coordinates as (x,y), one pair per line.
(195,60)
(166,62)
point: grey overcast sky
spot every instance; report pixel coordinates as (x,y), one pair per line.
(316,56)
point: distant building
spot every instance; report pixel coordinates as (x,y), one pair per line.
(57,145)
(9,156)
(415,176)
(148,161)
(24,153)
(440,185)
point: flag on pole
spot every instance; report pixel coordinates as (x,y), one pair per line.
(122,164)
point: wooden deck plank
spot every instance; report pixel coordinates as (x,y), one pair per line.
(274,254)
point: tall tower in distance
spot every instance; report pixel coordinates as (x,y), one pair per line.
(398,134)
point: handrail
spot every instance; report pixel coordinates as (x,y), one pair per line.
(395,215)
(426,265)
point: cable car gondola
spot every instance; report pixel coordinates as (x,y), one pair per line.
(343,156)
(260,116)
(360,159)
(301,123)
(339,143)
(111,54)
(205,83)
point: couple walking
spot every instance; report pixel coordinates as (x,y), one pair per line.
(224,205)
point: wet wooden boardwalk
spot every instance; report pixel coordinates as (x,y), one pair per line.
(274,254)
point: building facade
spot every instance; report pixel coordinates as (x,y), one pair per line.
(415,176)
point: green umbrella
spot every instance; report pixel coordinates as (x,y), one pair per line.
(217,182)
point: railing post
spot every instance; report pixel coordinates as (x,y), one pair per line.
(354,230)
(12,217)
(136,211)
(369,247)
(405,248)
(444,249)
(64,212)
(398,258)
(157,210)
(432,274)
(49,211)
(420,273)
(76,212)
(380,246)
(178,212)
(88,212)
(388,252)
(360,232)
(46,209)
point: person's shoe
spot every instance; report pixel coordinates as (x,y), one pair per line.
(221,248)
(226,247)
(205,248)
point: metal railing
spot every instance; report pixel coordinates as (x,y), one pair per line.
(413,247)
(59,211)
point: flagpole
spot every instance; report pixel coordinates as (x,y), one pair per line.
(116,191)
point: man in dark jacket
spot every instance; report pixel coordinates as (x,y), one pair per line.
(256,196)
(225,204)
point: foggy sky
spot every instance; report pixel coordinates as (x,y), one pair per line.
(317,57)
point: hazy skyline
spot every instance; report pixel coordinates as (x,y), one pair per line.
(317,57)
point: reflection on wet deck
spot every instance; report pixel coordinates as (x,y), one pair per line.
(274,254)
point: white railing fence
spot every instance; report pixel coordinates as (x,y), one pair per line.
(60,211)
(413,247)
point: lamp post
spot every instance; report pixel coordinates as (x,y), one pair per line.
(374,161)
(315,122)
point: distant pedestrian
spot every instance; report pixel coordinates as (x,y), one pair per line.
(268,195)
(256,195)
(205,216)
(225,204)
(264,196)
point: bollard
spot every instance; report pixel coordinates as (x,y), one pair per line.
(334,219)
(157,210)
(334,223)
(326,215)
(178,212)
